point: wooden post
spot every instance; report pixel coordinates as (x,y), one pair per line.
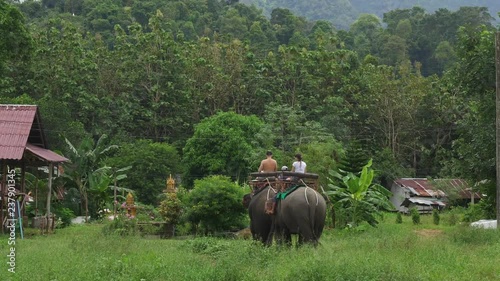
(497,66)
(49,194)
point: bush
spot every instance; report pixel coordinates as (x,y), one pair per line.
(474,213)
(399,218)
(454,216)
(171,208)
(121,225)
(415,215)
(435,216)
(65,215)
(215,205)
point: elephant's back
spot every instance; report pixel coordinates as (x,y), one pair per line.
(306,195)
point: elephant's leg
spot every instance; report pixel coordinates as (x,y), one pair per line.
(278,235)
(268,240)
(300,240)
(288,238)
(283,236)
(306,235)
(259,233)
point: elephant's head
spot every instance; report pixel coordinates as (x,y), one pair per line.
(246,200)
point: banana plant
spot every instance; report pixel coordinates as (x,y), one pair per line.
(102,181)
(85,160)
(360,198)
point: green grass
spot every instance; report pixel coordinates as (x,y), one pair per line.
(389,252)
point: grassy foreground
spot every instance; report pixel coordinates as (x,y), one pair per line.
(390,252)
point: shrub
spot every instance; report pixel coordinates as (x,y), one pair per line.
(215,205)
(435,216)
(473,213)
(415,215)
(65,215)
(121,225)
(171,208)
(454,216)
(399,218)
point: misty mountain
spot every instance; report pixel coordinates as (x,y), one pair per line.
(342,13)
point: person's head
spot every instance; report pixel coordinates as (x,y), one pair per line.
(269,153)
(298,156)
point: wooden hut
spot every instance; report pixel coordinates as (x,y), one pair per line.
(22,144)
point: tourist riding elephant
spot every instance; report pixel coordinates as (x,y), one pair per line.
(260,221)
(301,212)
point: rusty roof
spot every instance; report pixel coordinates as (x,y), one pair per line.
(45,154)
(461,186)
(417,186)
(432,188)
(19,124)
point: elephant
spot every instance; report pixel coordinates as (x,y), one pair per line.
(302,212)
(260,221)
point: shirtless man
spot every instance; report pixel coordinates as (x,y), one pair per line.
(268,164)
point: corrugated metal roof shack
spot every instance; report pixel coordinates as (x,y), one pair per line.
(426,195)
(22,144)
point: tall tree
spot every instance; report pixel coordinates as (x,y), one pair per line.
(222,144)
(473,78)
(15,49)
(387,104)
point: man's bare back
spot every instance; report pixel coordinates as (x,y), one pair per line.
(268,164)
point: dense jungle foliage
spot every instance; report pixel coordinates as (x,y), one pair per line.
(195,88)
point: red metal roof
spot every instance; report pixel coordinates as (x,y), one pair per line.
(45,154)
(15,126)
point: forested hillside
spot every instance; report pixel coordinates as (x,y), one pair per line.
(342,13)
(210,85)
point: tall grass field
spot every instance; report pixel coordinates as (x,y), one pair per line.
(389,252)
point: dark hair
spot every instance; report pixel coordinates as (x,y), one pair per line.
(269,152)
(298,156)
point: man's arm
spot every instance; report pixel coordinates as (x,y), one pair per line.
(261,166)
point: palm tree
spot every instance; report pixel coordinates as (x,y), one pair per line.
(84,163)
